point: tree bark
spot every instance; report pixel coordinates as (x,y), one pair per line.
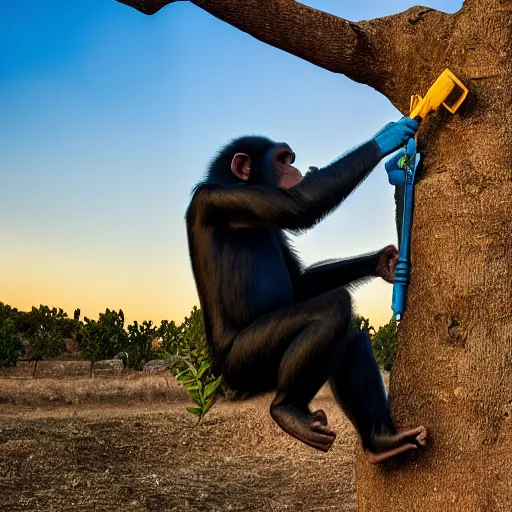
(454,366)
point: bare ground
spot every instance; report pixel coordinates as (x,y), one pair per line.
(129,445)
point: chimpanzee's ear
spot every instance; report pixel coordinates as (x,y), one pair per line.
(241,166)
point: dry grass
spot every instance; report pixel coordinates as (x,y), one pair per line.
(128,443)
(126,389)
(154,458)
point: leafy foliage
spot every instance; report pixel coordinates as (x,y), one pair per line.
(168,332)
(191,362)
(359,323)
(185,345)
(51,320)
(191,338)
(385,343)
(11,347)
(45,330)
(139,344)
(7,313)
(104,338)
(200,386)
(46,343)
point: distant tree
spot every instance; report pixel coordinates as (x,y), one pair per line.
(168,331)
(45,329)
(384,344)
(11,346)
(139,344)
(360,323)
(104,338)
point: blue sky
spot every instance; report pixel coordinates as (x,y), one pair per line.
(108,119)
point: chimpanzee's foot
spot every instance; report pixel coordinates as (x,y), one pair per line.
(320,416)
(310,428)
(387,446)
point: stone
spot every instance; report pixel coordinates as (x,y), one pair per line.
(107,368)
(156,366)
(123,356)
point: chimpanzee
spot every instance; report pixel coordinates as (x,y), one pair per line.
(272,324)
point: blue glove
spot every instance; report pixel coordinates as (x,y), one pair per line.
(394,135)
(396,173)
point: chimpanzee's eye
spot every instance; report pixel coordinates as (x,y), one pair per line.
(285,156)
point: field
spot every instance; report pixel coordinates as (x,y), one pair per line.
(128,444)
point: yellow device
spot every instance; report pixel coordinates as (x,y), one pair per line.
(447,90)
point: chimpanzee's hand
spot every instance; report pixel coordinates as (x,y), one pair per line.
(388,258)
(396,175)
(394,135)
(396,172)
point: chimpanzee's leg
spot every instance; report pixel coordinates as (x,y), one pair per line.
(357,385)
(295,349)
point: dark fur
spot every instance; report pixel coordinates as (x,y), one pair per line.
(271,323)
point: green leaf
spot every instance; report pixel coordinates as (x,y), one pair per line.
(206,407)
(192,387)
(196,397)
(204,366)
(181,374)
(210,389)
(196,411)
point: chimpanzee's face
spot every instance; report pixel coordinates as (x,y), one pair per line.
(287,175)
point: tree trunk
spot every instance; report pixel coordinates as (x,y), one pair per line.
(454,366)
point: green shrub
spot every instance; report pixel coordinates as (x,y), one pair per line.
(385,343)
(168,332)
(7,313)
(11,347)
(139,344)
(359,323)
(191,338)
(200,386)
(104,338)
(52,320)
(191,362)
(46,343)
(45,330)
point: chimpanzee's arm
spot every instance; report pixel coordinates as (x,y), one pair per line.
(297,208)
(328,275)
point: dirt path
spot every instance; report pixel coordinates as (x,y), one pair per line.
(146,456)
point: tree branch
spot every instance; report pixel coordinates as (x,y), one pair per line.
(147,6)
(374,53)
(325,40)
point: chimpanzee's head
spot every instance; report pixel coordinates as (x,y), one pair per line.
(255,160)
